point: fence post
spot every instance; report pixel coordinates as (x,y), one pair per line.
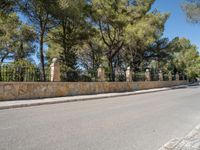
(177,77)
(147,75)
(101,73)
(129,75)
(133,76)
(160,74)
(55,70)
(183,77)
(117,74)
(170,76)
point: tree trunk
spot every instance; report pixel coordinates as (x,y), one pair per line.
(1,62)
(93,61)
(112,73)
(0,70)
(42,56)
(93,65)
(64,42)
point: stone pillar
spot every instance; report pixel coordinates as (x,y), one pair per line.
(101,73)
(170,76)
(177,77)
(129,75)
(147,75)
(160,74)
(55,70)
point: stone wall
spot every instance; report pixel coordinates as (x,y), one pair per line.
(32,90)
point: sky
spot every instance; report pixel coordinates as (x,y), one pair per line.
(177,24)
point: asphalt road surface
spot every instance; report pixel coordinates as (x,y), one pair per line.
(138,122)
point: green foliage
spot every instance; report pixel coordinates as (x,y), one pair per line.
(142,36)
(90,55)
(25,46)
(21,70)
(187,59)
(8,27)
(39,16)
(192,10)
(6,6)
(22,63)
(70,33)
(126,25)
(16,39)
(87,34)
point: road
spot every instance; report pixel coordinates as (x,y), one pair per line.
(138,122)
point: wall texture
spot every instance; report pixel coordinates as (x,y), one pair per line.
(31,90)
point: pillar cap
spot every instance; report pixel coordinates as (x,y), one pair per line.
(101,66)
(54,60)
(128,68)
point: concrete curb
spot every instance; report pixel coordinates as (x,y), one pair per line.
(190,142)
(47,101)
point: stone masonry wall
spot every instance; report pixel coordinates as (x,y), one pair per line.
(33,90)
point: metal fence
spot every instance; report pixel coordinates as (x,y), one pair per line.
(22,74)
(10,73)
(139,76)
(76,76)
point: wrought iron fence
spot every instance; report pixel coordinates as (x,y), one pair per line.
(173,77)
(154,76)
(165,77)
(182,77)
(76,76)
(10,73)
(139,76)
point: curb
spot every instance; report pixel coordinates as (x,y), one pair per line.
(48,101)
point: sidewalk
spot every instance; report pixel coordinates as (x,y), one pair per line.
(45,101)
(189,142)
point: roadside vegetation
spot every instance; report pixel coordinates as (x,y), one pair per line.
(85,34)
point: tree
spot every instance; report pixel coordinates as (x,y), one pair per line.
(6,6)
(121,24)
(90,55)
(142,36)
(187,59)
(9,24)
(38,15)
(109,17)
(17,39)
(25,39)
(158,50)
(163,51)
(71,30)
(192,10)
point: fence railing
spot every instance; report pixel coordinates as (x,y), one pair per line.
(139,76)
(76,76)
(10,73)
(22,74)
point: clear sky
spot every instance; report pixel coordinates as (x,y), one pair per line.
(177,25)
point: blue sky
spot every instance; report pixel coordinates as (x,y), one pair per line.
(177,25)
